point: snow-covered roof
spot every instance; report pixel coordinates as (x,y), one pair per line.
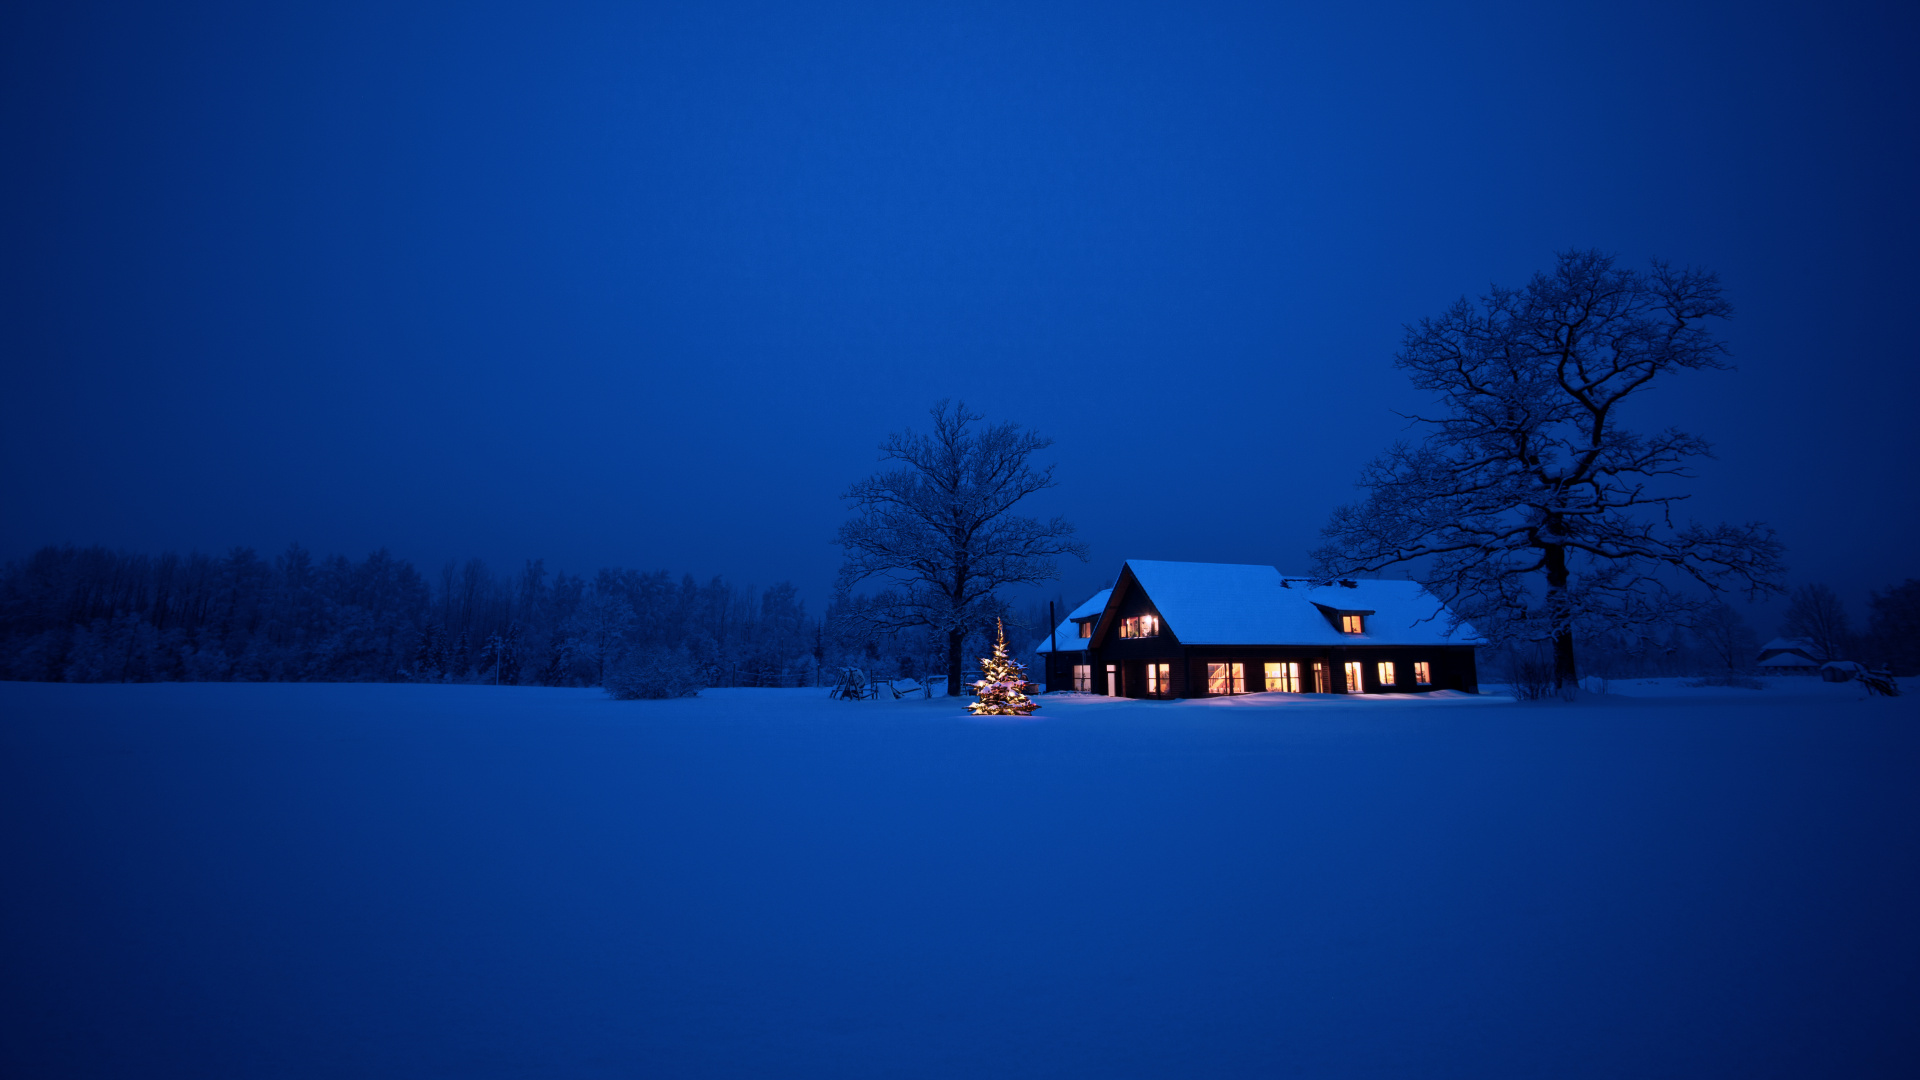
(1067,634)
(1787,659)
(1095,605)
(1250,604)
(1803,646)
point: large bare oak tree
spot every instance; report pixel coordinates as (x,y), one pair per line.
(937,534)
(1816,613)
(1527,508)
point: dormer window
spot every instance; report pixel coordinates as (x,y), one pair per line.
(1348,620)
(1086,628)
(1139,626)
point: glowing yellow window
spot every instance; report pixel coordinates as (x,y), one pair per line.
(1083,678)
(1159,680)
(1422,673)
(1386,673)
(1355,678)
(1353,624)
(1283,677)
(1226,678)
(1139,626)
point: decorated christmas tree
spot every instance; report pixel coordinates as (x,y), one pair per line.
(1002,679)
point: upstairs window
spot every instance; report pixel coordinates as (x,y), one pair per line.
(1086,628)
(1353,624)
(1137,626)
(1422,673)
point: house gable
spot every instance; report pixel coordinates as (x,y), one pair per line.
(1130,600)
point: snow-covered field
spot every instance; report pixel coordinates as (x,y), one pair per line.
(352,880)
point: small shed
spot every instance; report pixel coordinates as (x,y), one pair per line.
(1841,670)
(1791,656)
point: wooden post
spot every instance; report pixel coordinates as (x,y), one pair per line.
(1053,645)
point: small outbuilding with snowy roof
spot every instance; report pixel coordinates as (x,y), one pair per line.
(1792,656)
(1182,629)
(1067,644)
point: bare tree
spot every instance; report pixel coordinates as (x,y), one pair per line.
(1728,639)
(1527,508)
(938,534)
(596,630)
(1817,614)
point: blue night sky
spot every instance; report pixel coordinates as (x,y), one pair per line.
(646,284)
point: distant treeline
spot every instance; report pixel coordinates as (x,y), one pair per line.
(1722,641)
(70,614)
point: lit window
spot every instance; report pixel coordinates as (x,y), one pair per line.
(1322,681)
(1386,673)
(1284,677)
(1159,680)
(1140,626)
(1086,628)
(1226,678)
(1352,624)
(1354,683)
(1422,673)
(1083,678)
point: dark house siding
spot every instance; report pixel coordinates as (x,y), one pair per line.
(1059,669)
(1453,666)
(1060,665)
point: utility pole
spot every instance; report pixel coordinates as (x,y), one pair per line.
(1053,646)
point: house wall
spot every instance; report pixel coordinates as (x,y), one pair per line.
(1133,669)
(1058,673)
(1059,669)
(1454,666)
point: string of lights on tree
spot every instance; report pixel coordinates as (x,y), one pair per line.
(1003,682)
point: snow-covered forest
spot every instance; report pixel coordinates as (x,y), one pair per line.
(70,614)
(1725,641)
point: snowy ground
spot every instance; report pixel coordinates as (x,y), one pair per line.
(350,880)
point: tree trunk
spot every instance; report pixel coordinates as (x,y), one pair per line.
(1565,673)
(955,638)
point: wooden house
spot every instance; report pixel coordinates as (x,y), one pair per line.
(1181,629)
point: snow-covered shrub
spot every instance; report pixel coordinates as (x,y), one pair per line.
(1729,678)
(654,674)
(1529,671)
